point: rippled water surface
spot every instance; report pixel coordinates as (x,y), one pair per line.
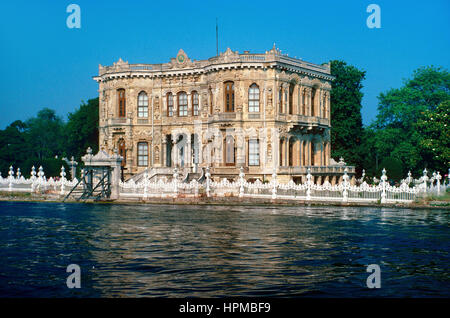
(209,251)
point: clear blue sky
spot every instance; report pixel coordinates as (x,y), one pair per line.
(45,64)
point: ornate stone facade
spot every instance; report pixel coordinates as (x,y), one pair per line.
(263,112)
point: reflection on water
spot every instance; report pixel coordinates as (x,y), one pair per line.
(207,251)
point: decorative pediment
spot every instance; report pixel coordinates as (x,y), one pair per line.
(229,56)
(274,51)
(181,60)
(120,64)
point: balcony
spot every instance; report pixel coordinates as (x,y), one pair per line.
(316,170)
(303,120)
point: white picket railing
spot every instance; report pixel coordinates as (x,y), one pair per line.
(37,183)
(382,192)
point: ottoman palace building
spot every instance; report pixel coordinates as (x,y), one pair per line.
(263,112)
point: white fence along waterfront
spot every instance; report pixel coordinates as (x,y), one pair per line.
(381,191)
(37,183)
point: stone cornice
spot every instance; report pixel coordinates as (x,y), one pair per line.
(226,61)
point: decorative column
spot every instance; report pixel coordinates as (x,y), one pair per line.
(188,151)
(308,185)
(424,179)
(63,179)
(274,184)
(145,185)
(175,182)
(10,178)
(241,182)
(208,182)
(116,161)
(345,185)
(383,186)
(438,183)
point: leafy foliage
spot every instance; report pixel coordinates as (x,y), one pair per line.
(46,139)
(403,128)
(435,131)
(82,129)
(346,120)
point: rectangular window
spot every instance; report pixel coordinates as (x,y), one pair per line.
(253,99)
(182,104)
(195,104)
(169,105)
(229,96)
(142,154)
(142,105)
(280,100)
(253,152)
(122,103)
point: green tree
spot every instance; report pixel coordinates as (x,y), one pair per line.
(435,131)
(346,120)
(44,135)
(82,129)
(399,111)
(13,146)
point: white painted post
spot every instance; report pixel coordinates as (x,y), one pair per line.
(345,185)
(41,178)
(196,185)
(409,179)
(33,178)
(274,187)
(438,183)
(424,179)
(11,178)
(208,189)
(63,179)
(175,182)
(308,184)
(241,182)
(383,186)
(145,184)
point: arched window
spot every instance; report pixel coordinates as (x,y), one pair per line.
(313,153)
(281,152)
(121,102)
(324,106)
(229,96)
(229,151)
(169,104)
(211,99)
(253,99)
(194,97)
(182,104)
(142,105)
(313,100)
(142,156)
(291,98)
(291,152)
(122,152)
(304,103)
(280,100)
(304,153)
(285,99)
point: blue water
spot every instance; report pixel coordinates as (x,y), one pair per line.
(209,251)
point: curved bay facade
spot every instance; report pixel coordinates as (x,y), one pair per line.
(263,112)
